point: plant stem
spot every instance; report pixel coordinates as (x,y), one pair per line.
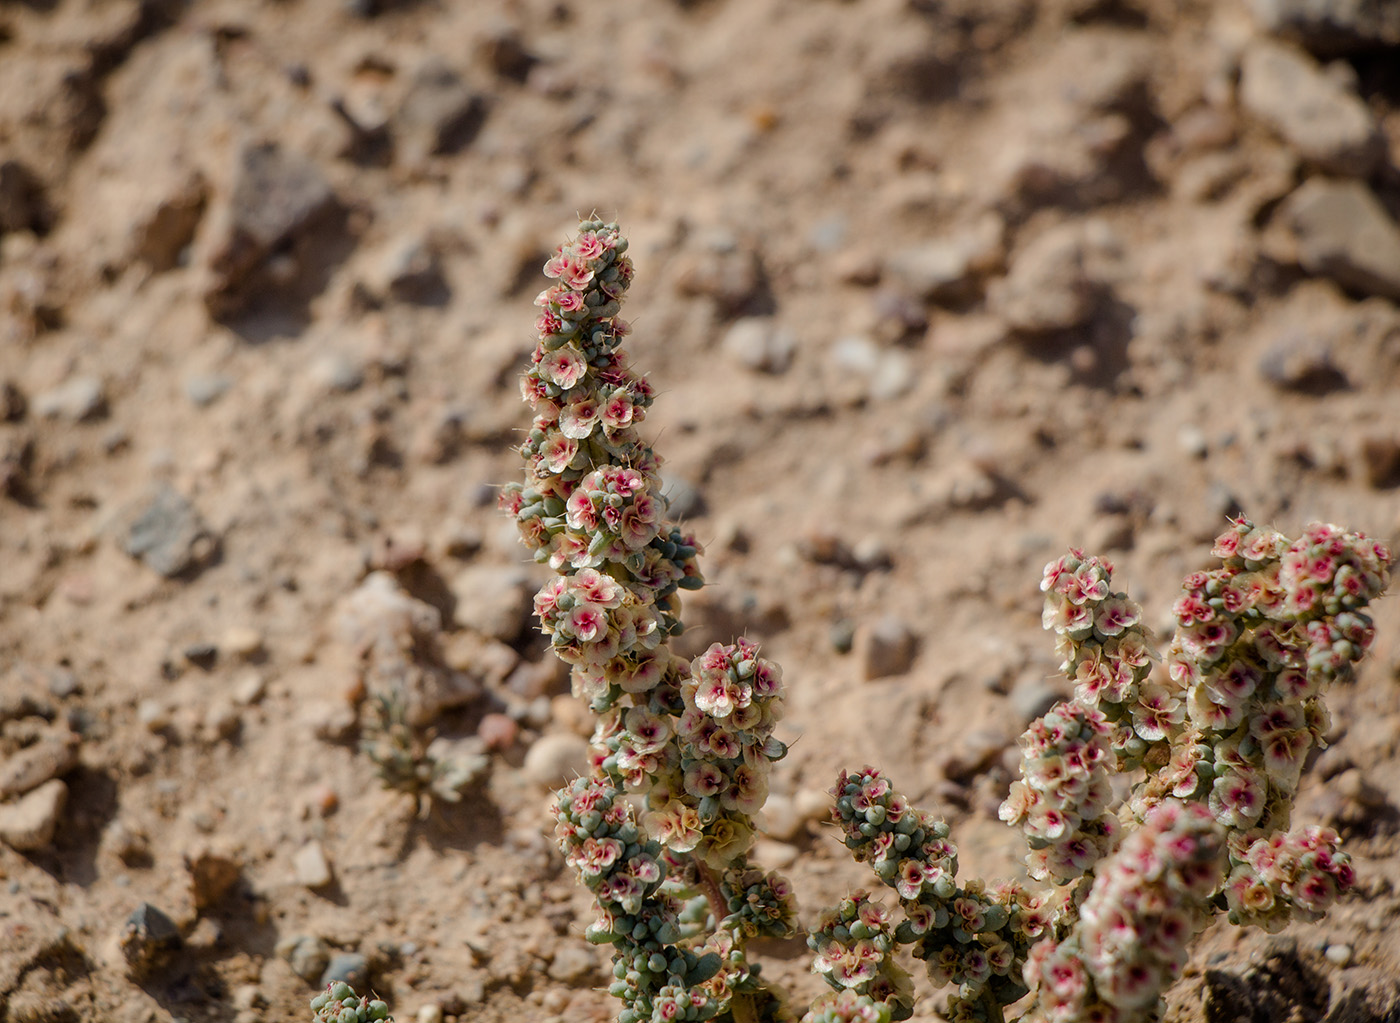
(992,1006)
(740,1005)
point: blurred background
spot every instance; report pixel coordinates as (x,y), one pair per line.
(930,290)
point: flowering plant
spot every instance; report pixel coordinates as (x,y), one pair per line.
(660,830)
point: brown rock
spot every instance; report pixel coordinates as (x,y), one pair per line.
(29,823)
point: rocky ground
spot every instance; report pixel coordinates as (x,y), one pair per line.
(930,289)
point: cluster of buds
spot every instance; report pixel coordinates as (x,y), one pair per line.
(339,1004)
(971,935)
(761,905)
(1257,643)
(1108,653)
(624,870)
(1062,800)
(1286,876)
(1147,902)
(854,945)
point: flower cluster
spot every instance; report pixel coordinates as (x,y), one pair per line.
(591,505)
(339,1004)
(1145,905)
(846,1006)
(624,870)
(1293,875)
(1257,643)
(1062,802)
(731,701)
(973,936)
(1107,653)
(854,946)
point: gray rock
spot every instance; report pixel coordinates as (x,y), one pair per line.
(203,389)
(147,940)
(168,534)
(307,955)
(1322,121)
(350,968)
(29,823)
(1048,287)
(1332,26)
(760,344)
(440,114)
(948,269)
(1343,232)
(79,400)
(885,647)
(556,759)
(280,200)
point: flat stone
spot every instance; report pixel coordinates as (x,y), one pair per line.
(1324,123)
(574,964)
(948,268)
(29,823)
(1344,233)
(168,534)
(78,400)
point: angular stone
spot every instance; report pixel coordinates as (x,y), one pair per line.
(1325,123)
(213,873)
(1343,232)
(439,115)
(556,759)
(1048,287)
(885,647)
(168,534)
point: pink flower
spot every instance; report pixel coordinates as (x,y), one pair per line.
(588,246)
(563,367)
(578,418)
(558,452)
(1237,800)
(588,622)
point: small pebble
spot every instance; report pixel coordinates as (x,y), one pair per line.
(29,823)
(885,647)
(430,1013)
(242,641)
(311,867)
(213,874)
(79,400)
(1338,955)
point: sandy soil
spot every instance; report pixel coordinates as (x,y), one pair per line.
(930,290)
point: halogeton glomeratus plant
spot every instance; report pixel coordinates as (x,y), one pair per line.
(1215,733)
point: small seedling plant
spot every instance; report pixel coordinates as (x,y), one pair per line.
(1213,734)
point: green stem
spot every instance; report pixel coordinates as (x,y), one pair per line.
(741,1006)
